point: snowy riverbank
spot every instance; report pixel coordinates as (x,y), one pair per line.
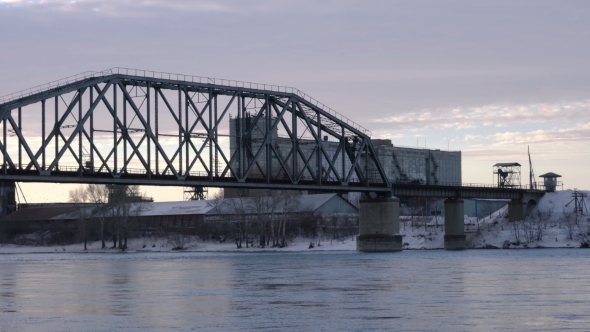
(192,245)
(550,224)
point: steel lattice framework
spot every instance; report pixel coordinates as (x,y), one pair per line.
(140,127)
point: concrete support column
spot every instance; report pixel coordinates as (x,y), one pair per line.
(454,224)
(516,210)
(7,197)
(379,225)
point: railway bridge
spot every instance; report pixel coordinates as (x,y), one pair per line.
(128,126)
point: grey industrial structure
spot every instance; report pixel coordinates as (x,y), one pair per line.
(418,166)
(400,164)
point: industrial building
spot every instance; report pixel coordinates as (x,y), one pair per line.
(47,220)
(283,147)
(401,164)
(419,166)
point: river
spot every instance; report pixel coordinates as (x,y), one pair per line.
(471,290)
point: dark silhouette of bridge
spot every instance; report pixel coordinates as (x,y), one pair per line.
(125,126)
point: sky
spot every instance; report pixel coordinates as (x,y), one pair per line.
(488,78)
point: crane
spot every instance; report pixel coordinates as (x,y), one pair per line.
(532,183)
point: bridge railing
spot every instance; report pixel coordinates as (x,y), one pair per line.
(183,78)
(48,86)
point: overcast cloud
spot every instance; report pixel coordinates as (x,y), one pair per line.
(488,77)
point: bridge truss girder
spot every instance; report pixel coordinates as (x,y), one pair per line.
(119,129)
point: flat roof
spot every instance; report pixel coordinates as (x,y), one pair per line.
(550,175)
(507,164)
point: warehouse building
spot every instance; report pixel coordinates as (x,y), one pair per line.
(419,166)
(188,216)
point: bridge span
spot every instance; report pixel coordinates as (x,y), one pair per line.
(127,126)
(141,127)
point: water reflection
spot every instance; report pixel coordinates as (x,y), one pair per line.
(417,290)
(7,291)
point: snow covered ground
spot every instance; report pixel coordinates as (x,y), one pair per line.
(164,245)
(548,217)
(547,226)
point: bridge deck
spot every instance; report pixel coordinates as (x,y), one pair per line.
(436,191)
(71,175)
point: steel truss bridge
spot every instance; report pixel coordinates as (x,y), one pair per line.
(125,126)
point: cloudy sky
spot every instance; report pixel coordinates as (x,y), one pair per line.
(484,77)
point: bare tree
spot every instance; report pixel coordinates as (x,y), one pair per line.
(436,206)
(308,222)
(178,240)
(539,219)
(80,196)
(569,220)
(288,202)
(233,211)
(415,208)
(516,230)
(239,205)
(264,206)
(584,233)
(98,195)
(126,203)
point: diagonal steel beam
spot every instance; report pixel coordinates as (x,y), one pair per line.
(299,151)
(23,142)
(79,127)
(57,126)
(198,157)
(76,132)
(334,158)
(148,131)
(228,166)
(8,159)
(112,152)
(95,149)
(198,113)
(233,97)
(319,142)
(74,154)
(356,161)
(305,165)
(375,159)
(134,152)
(280,159)
(199,152)
(169,107)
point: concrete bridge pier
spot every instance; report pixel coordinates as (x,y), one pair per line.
(7,197)
(516,210)
(379,225)
(454,224)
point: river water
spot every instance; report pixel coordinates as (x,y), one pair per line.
(472,290)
